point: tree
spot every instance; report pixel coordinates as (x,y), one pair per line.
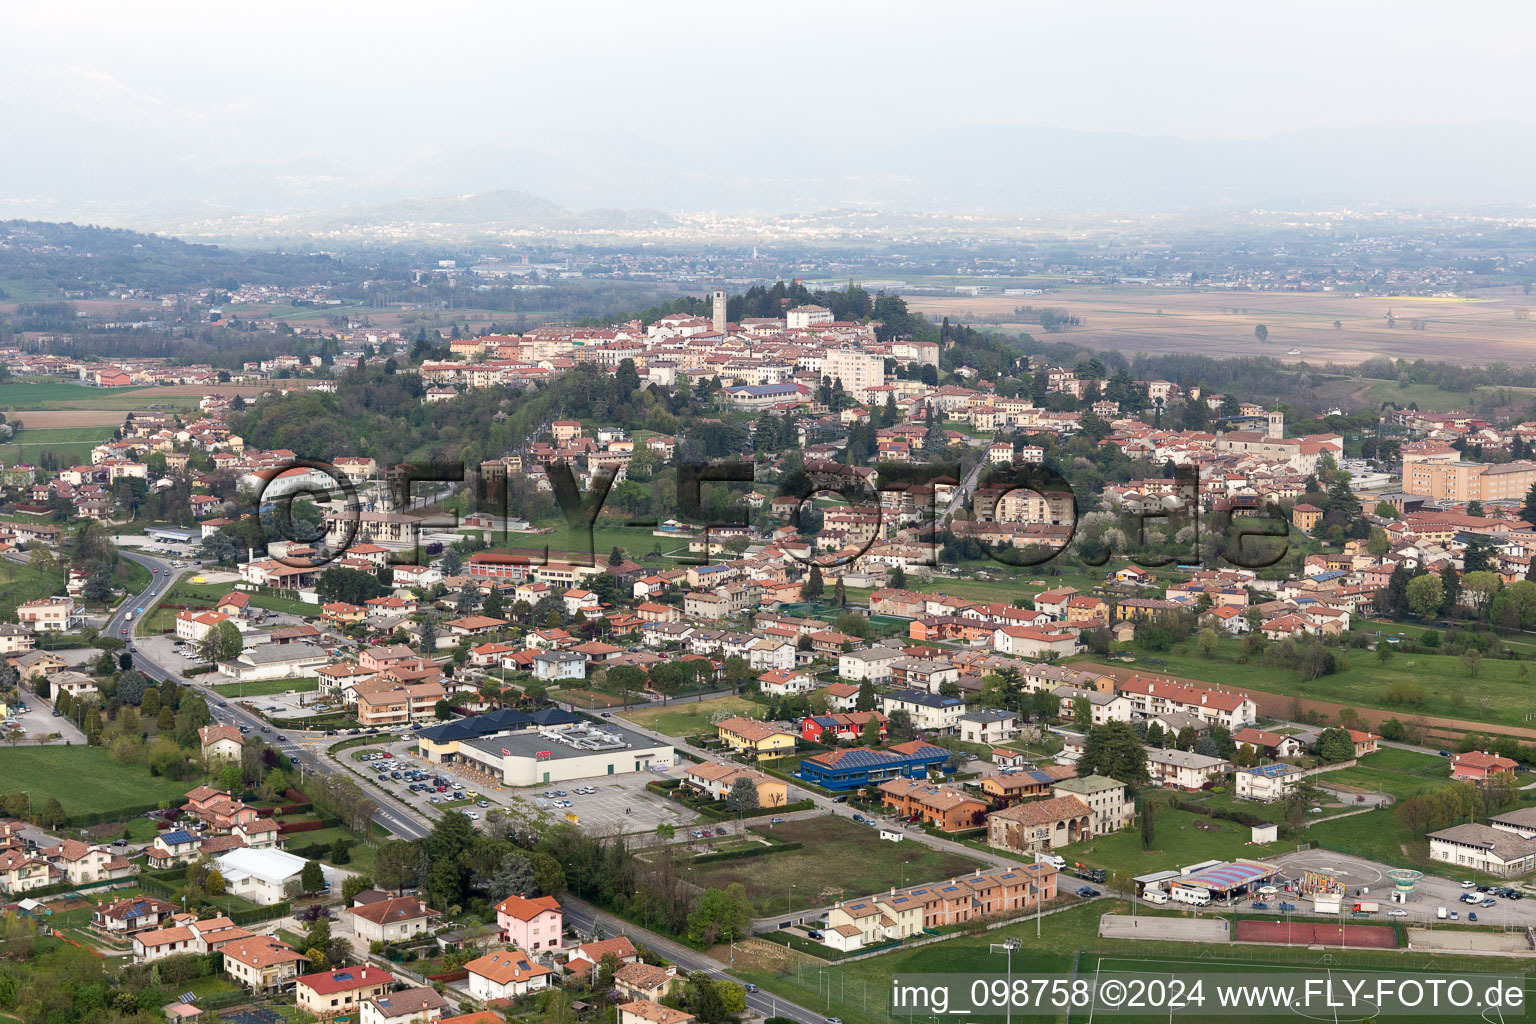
(1335,745)
(492,607)
(442,710)
(428,639)
(52,815)
(811,589)
(1425,595)
(869,736)
(1148,823)
(396,865)
(514,877)
(865,701)
(742,796)
(1112,750)
(722,915)
(312,878)
(1479,588)
(1261,332)
(221,643)
(1082,714)
(702,996)
(353,885)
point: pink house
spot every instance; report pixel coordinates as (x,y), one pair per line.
(531,925)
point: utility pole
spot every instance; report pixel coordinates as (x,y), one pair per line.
(1008,946)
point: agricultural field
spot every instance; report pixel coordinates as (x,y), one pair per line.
(68,445)
(691,717)
(1476,330)
(84,779)
(1439,684)
(840,860)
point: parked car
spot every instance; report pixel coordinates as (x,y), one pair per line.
(1088,893)
(859,818)
(1486,903)
(1472,916)
(775,821)
(1469,884)
(1397,912)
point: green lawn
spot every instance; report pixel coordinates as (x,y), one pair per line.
(840,860)
(20,583)
(262,688)
(84,779)
(70,445)
(1177,841)
(59,394)
(636,541)
(1397,759)
(692,717)
(162,619)
(1497,695)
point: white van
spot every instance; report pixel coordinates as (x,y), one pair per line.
(1055,860)
(1440,913)
(1194,897)
(1155,896)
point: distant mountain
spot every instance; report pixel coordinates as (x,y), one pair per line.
(95,261)
(506,209)
(444,219)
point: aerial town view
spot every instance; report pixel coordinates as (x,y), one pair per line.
(796,515)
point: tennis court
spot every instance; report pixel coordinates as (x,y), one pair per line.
(1316,933)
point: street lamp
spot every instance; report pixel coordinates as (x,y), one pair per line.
(1008,946)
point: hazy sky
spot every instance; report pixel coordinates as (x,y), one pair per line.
(325,102)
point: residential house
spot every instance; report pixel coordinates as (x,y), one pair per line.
(758,739)
(1040,825)
(339,991)
(943,807)
(1183,769)
(392,920)
(531,924)
(1112,808)
(506,974)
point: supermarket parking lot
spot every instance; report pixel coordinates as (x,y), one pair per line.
(621,804)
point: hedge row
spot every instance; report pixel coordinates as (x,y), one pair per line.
(719,813)
(763,851)
(251,915)
(103,817)
(200,670)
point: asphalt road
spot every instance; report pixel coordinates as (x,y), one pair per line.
(581,916)
(399,820)
(393,817)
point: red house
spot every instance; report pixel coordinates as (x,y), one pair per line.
(1479,766)
(833,727)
